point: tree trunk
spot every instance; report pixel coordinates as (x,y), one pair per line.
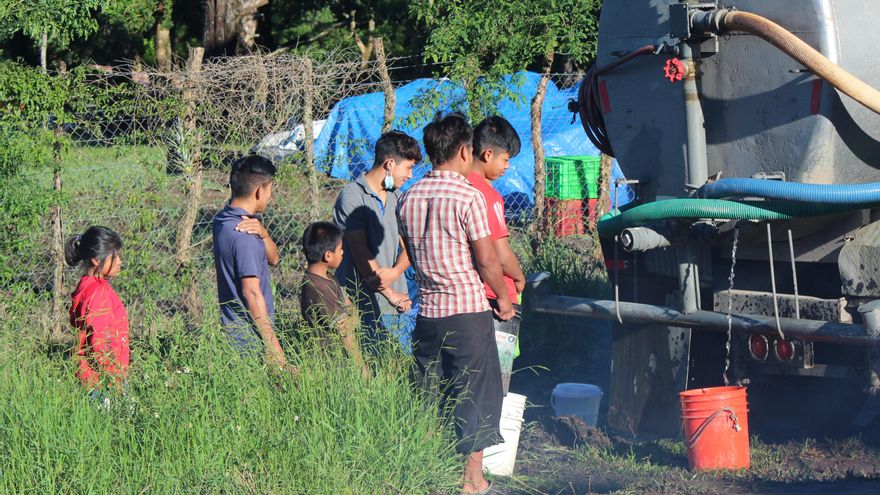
(247,33)
(193,188)
(228,21)
(163,46)
(538,148)
(214,37)
(387,86)
(314,192)
(44,48)
(366,49)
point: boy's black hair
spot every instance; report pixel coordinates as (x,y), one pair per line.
(396,144)
(445,136)
(248,173)
(496,132)
(319,238)
(96,242)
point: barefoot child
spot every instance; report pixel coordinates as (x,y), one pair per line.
(323,304)
(96,312)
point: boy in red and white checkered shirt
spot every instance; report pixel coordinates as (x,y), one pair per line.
(444,221)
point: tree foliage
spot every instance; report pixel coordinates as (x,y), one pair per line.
(327,25)
(485,40)
(138,16)
(61,20)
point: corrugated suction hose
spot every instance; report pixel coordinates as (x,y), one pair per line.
(716,209)
(781,38)
(838,194)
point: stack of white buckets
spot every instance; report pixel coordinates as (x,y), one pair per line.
(568,399)
(499,459)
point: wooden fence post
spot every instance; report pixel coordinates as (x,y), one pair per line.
(58,296)
(387,86)
(538,149)
(193,187)
(606,186)
(308,102)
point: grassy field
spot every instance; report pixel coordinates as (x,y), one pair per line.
(197,418)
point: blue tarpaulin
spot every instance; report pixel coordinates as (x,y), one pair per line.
(344,148)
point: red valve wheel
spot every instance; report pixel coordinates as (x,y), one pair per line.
(674,70)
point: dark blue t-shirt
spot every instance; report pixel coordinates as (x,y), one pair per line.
(238,255)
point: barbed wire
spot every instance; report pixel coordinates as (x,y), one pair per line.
(131,168)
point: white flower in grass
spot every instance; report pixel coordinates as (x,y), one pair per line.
(186,370)
(156,414)
(295,419)
(237,427)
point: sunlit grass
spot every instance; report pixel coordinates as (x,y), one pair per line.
(198,418)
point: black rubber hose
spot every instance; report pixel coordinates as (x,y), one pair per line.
(590,104)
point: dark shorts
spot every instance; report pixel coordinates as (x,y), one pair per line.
(457,364)
(244,338)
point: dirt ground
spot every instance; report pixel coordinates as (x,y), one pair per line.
(565,456)
(601,464)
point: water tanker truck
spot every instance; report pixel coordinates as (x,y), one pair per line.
(750,131)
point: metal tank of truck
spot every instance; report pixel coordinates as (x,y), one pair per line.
(750,130)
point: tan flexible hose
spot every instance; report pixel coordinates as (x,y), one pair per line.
(779,37)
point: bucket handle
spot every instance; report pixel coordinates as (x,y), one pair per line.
(691,442)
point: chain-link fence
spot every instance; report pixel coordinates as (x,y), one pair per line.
(151,161)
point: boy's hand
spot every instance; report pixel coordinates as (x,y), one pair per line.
(252,226)
(401,302)
(403,305)
(505,310)
(276,360)
(382,278)
(292,369)
(520,284)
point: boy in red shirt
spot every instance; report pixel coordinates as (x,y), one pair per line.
(96,312)
(495,143)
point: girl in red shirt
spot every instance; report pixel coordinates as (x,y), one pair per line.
(96,312)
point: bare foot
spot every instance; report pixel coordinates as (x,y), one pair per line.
(471,487)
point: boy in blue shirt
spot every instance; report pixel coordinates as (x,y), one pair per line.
(243,252)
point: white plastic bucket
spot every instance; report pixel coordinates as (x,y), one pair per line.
(577,399)
(500,459)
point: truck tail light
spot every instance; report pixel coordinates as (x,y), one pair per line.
(783,350)
(759,347)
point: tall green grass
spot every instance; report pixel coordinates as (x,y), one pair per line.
(198,418)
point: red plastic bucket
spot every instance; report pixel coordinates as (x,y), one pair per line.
(716,428)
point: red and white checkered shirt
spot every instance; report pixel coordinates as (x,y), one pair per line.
(439,217)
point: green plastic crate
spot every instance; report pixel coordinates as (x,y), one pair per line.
(572,177)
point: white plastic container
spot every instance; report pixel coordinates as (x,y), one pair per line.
(577,399)
(500,459)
